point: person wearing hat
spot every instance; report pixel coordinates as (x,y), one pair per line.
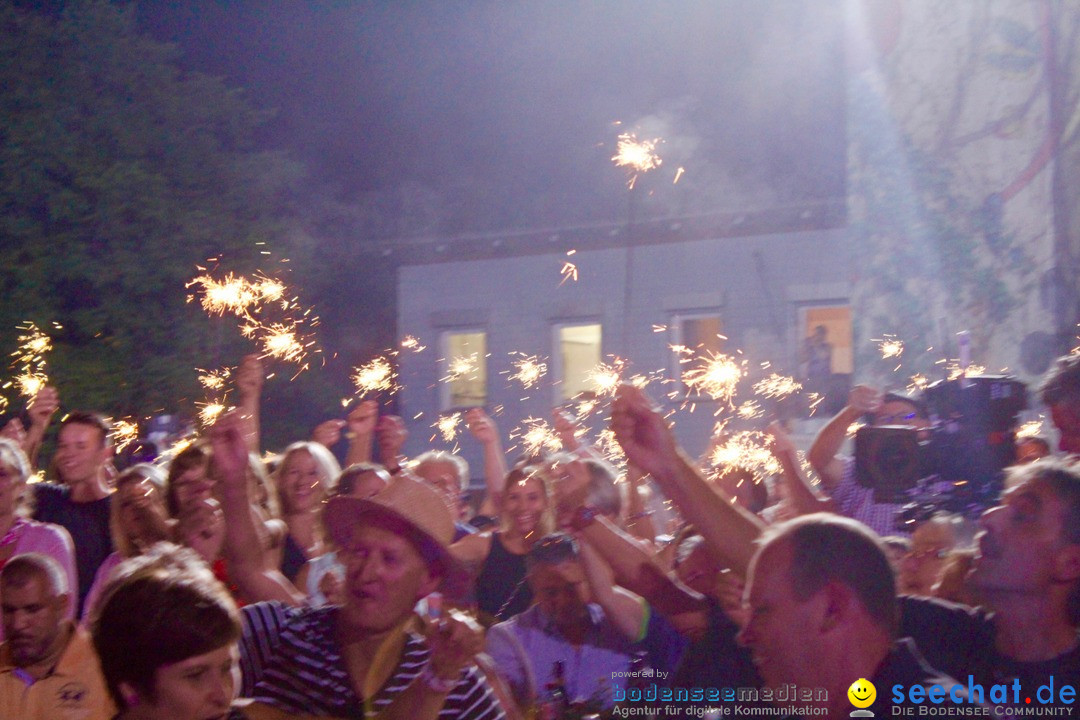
(372,654)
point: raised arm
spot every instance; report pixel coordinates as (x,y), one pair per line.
(249,385)
(822,454)
(802,496)
(391,435)
(243,547)
(483,428)
(647,440)
(360,429)
(626,609)
(41,410)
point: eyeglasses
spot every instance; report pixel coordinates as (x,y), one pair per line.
(936,553)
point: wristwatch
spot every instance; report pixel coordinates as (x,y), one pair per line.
(583,517)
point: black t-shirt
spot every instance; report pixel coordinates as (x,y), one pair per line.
(87,522)
(959,640)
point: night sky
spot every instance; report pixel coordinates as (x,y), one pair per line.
(500,115)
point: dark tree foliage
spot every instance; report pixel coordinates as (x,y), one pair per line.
(120,173)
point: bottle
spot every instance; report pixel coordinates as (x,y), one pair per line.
(556,691)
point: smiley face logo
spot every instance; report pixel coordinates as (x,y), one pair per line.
(862,693)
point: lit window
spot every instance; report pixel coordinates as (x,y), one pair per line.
(578,352)
(464,369)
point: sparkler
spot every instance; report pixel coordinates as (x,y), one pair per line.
(209,412)
(678,174)
(569,272)
(268,316)
(637,155)
(777,386)
(529,369)
(1032,428)
(606,378)
(918,383)
(747,450)
(461,367)
(890,347)
(412,344)
(750,410)
(716,375)
(214,379)
(124,432)
(379,375)
(448,426)
(536,436)
(29,357)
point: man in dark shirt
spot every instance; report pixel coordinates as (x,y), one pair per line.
(80,501)
(1028,571)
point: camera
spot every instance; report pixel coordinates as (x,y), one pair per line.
(969,443)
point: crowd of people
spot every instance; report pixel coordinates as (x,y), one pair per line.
(217,583)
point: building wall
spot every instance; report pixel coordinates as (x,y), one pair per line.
(757,284)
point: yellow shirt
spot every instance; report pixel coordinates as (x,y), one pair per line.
(74,690)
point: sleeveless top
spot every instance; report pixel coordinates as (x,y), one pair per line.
(292,558)
(501,590)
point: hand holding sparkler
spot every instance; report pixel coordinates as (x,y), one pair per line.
(863,399)
(481,426)
(391,435)
(644,433)
(454,638)
(570,486)
(361,431)
(250,376)
(328,433)
(13,430)
(567,429)
(43,406)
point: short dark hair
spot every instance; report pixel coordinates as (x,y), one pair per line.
(21,569)
(93,419)
(1061,384)
(192,456)
(827,548)
(552,549)
(1062,476)
(162,607)
(920,406)
(346,481)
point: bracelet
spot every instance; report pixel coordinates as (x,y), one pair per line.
(583,517)
(436,683)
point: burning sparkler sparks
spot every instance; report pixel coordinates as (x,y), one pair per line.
(569,272)
(750,410)
(412,344)
(209,412)
(606,378)
(638,155)
(462,366)
(536,436)
(281,336)
(448,426)
(124,432)
(716,375)
(746,450)
(1032,428)
(890,347)
(528,370)
(379,375)
(918,383)
(214,379)
(777,386)
(29,359)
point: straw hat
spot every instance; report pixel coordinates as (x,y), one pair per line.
(410,508)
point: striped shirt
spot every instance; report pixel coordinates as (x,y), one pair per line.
(291,660)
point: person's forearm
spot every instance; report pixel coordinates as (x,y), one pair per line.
(638,520)
(802,496)
(249,416)
(729,529)
(35,436)
(359,448)
(624,609)
(244,551)
(829,441)
(635,569)
(495,472)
